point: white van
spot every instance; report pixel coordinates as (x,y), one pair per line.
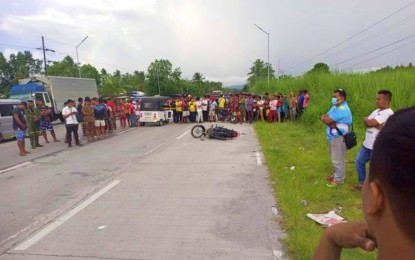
(6,118)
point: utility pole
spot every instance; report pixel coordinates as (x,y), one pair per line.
(44,56)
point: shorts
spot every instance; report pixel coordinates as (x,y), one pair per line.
(99,123)
(186,113)
(20,134)
(46,125)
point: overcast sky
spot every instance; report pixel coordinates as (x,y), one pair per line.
(215,37)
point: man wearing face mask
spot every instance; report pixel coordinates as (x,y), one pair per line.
(338,119)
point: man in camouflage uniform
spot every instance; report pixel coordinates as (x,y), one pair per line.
(33,117)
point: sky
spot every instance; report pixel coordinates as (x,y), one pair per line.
(215,37)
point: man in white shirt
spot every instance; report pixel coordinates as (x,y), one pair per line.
(205,106)
(69,114)
(373,123)
(199,109)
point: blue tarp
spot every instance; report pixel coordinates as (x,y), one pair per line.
(26,88)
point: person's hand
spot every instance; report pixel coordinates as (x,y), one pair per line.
(344,235)
(23,127)
(351,235)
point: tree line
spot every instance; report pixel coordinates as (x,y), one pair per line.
(160,78)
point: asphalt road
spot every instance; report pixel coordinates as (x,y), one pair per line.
(145,193)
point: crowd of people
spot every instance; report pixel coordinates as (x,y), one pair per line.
(96,116)
(244,107)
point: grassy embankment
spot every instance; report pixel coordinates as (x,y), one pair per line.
(303,144)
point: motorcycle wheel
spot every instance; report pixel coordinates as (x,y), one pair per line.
(198,131)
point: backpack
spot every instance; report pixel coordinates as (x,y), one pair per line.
(100,112)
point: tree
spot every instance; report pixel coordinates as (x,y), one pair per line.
(198,78)
(90,72)
(24,65)
(319,68)
(64,68)
(176,80)
(259,71)
(6,75)
(112,86)
(158,74)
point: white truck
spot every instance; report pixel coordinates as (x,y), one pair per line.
(54,90)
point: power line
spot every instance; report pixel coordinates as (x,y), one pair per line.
(354,36)
(18,46)
(384,53)
(375,35)
(375,50)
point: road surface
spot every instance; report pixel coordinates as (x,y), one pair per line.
(145,193)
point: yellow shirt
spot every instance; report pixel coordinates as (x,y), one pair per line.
(222,102)
(192,107)
(179,106)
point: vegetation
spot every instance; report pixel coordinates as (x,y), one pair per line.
(160,77)
(303,144)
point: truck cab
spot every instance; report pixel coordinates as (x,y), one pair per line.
(31,91)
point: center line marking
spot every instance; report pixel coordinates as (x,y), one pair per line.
(258,159)
(181,136)
(56,223)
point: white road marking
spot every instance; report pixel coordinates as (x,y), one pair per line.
(15,167)
(182,135)
(258,159)
(44,232)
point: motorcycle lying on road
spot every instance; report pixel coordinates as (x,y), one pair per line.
(214,132)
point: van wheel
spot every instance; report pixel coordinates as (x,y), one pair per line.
(160,123)
(142,124)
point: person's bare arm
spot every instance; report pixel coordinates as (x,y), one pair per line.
(370,122)
(343,235)
(327,120)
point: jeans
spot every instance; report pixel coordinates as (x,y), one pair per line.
(338,158)
(134,120)
(69,130)
(363,156)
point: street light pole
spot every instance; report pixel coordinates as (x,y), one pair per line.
(77,57)
(158,78)
(268,48)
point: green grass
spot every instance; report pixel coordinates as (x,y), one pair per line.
(304,145)
(290,144)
